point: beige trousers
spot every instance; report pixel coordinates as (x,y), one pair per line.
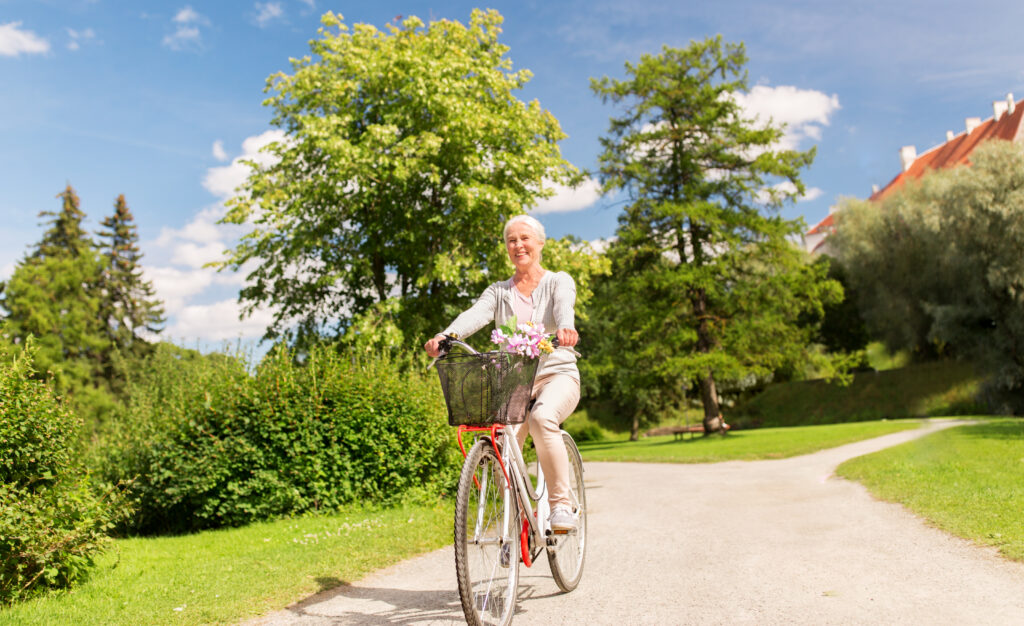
(556,396)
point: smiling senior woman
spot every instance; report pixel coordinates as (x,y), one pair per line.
(537,295)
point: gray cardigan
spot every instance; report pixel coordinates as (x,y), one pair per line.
(553,303)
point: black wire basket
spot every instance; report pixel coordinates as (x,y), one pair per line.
(487,388)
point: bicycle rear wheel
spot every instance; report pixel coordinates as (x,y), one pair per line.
(567,555)
(486,539)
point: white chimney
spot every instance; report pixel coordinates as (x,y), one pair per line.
(998,108)
(949,135)
(1009,102)
(907,156)
(971,123)
(874,189)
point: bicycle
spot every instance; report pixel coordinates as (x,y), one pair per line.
(496,525)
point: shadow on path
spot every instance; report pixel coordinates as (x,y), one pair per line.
(344,603)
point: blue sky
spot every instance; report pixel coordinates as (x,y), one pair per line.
(156,100)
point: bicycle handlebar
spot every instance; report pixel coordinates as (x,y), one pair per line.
(445,346)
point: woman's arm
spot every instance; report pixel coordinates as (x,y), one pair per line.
(563,302)
(469,321)
(477,316)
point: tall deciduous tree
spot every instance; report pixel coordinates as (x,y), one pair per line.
(705,280)
(938,266)
(128,303)
(405,150)
(53,295)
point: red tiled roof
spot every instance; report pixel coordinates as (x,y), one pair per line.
(957,150)
(826,224)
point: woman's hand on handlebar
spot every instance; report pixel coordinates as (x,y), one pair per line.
(567,337)
(433,346)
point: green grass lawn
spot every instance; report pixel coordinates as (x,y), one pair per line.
(224,576)
(744,445)
(967,480)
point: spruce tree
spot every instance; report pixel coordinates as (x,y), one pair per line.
(128,304)
(52,295)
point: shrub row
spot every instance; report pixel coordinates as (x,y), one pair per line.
(52,520)
(208,444)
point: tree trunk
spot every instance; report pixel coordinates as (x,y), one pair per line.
(634,428)
(713,421)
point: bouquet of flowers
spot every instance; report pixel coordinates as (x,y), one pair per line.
(527,339)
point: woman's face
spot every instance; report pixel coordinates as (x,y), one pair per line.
(523,246)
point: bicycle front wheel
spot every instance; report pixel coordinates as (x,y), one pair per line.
(486,539)
(566,556)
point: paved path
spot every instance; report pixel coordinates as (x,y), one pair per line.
(763,542)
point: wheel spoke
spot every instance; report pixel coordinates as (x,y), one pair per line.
(487,586)
(567,555)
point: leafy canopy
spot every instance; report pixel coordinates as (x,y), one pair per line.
(706,283)
(938,265)
(405,151)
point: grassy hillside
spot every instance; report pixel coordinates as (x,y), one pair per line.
(926,389)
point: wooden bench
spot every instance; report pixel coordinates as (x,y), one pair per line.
(678,432)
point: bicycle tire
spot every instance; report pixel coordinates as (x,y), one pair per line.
(566,557)
(486,525)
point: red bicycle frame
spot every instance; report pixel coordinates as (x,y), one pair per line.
(494,429)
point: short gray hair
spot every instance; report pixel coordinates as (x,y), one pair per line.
(532,222)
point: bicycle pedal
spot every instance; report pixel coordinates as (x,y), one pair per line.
(560,532)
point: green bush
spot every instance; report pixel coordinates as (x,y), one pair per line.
(52,521)
(210,444)
(582,428)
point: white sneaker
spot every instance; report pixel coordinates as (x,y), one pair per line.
(562,518)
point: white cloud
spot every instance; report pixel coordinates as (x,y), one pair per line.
(203,228)
(174,286)
(268,12)
(186,34)
(14,41)
(218,151)
(196,256)
(810,193)
(310,3)
(569,198)
(78,37)
(222,181)
(600,246)
(184,37)
(218,322)
(179,278)
(188,15)
(803,111)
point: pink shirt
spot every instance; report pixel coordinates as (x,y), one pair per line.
(522,305)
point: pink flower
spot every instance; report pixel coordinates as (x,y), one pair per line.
(517,343)
(498,337)
(532,350)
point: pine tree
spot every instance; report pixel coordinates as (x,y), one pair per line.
(65,237)
(128,304)
(705,277)
(52,295)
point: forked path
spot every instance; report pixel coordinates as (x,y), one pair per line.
(762,542)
